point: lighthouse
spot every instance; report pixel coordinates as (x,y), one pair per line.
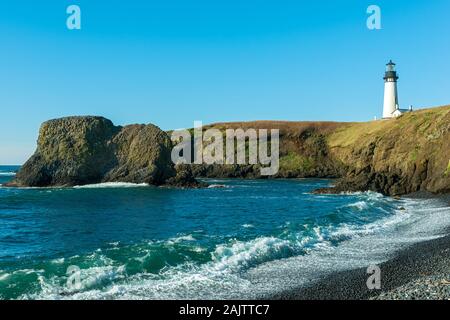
(390,92)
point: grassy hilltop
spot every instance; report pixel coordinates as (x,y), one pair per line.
(396,156)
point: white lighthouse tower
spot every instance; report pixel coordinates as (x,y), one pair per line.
(390,92)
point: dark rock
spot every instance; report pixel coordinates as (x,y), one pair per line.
(143,155)
(184,178)
(71,151)
(84,150)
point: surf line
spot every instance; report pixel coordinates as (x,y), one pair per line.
(207,147)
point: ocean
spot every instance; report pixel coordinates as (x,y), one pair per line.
(237,239)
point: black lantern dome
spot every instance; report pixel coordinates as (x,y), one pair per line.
(391,74)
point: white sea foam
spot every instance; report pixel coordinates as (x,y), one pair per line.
(217,186)
(213,279)
(7,174)
(369,244)
(181,239)
(104,185)
(241,254)
(262,266)
(215,180)
(90,279)
(28,271)
(4,276)
(360,205)
(112,185)
(58,261)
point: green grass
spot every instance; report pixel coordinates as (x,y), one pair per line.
(447,171)
(415,153)
(294,161)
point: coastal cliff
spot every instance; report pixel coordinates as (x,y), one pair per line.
(394,157)
(397,156)
(84,150)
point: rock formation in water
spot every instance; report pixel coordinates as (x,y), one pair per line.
(85,150)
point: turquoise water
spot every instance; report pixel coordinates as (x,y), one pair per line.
(236,239)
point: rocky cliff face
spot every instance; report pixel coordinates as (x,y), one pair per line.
(397,156)
(304,152)
(83,150)
(393,157)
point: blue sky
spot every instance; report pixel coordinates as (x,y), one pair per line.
(173,62)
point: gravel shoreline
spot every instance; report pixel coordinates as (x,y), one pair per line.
(419,272)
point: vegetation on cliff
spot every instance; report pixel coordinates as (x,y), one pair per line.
(303,151)
(396,156)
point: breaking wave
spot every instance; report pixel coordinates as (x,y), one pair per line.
(248,242)
(183,268)
(7,174)
(112,185)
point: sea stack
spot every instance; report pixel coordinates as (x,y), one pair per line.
(85,150)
